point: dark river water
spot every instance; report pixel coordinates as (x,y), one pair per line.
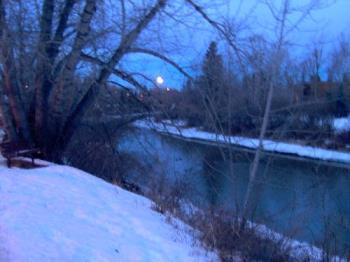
(307,201)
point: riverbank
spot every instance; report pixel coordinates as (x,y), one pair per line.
(59,213)
(95,229)
(283,148)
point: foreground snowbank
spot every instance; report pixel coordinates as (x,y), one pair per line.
(252,143)
(59,213)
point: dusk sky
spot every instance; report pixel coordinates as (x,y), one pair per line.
(323,27)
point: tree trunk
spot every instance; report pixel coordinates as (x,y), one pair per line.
(10,85)
(61,102)
(254,166)
(49,43)
(43,74)
(7,117)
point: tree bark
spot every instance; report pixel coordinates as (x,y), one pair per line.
(254,167)
(10,84)
(7,117)
(62,26)
(43,74)
(61,102)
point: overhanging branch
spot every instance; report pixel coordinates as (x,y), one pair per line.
(162,57)
(229,36)
(122,75)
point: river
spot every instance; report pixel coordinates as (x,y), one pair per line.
(304,200)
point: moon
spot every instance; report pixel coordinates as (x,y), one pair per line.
(159,80)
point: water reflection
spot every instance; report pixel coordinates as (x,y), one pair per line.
(304,200)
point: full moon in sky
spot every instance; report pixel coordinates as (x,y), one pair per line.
(159,80)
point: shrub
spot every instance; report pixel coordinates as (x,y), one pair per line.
(221,230)
(343,138)
(93,149)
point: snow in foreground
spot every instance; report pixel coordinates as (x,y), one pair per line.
(59,213)
(252,143)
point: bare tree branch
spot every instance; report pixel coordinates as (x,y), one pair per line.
(90,96)
(226,33)
(62,26)
(162,57)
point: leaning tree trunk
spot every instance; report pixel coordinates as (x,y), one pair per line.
(254,167)
(49,43)
(61,102)
(10,87)
(16,108)
(275,63)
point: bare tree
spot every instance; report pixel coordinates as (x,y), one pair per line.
(340,61)
(61,38)
(283,28)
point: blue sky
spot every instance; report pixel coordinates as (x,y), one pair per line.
(323,27)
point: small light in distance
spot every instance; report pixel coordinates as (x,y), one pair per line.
(159,80)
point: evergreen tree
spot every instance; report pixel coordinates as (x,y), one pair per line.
(341,104)
(212,72)
(211,83)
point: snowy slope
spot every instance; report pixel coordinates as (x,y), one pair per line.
(268,145)
(59,213)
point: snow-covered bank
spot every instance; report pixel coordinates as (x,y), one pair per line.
(341,124)
(251,143)
(300,251)
(59,213)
